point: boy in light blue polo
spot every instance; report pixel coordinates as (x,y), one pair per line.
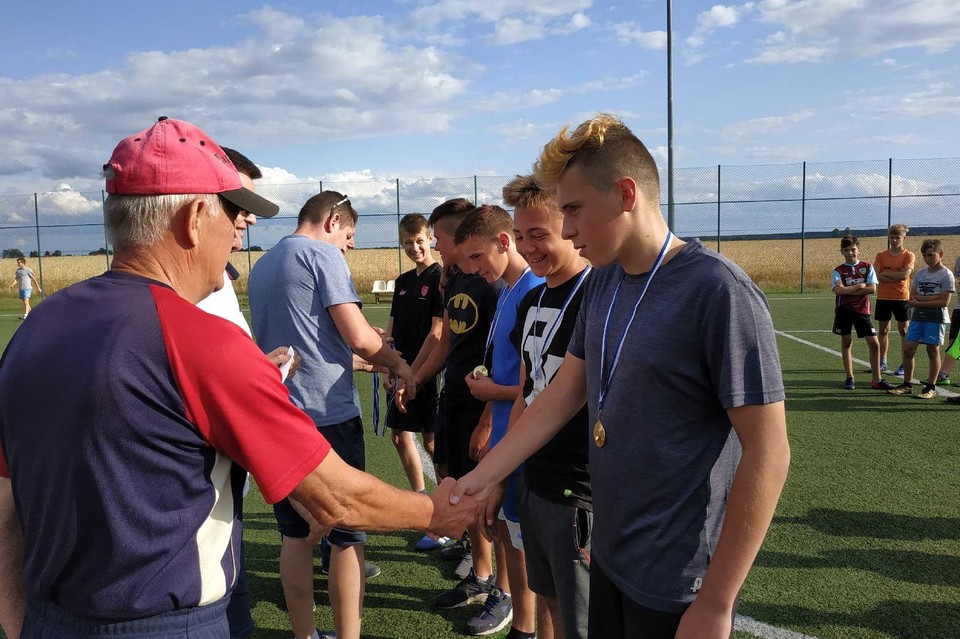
(24,278)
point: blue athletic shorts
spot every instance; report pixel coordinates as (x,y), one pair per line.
(25,293)
(926,332)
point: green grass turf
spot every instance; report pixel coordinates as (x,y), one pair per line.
(865,543)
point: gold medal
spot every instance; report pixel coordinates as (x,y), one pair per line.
(599,434)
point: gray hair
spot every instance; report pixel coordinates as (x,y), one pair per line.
(143,220)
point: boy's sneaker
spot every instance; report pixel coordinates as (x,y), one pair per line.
(496,613)
(471,588)
(899,371)
(881,384)
(883,367)
(903,389)
(456,550)
(849,384)
(427,544)
(928,392)
(465,566)
(943,378)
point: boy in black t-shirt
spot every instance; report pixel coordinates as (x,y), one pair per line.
(470,304)
(554,494)
(416,312)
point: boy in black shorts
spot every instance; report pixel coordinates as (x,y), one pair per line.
(416,312)
(853,282)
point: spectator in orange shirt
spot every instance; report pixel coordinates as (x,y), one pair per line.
(893,268)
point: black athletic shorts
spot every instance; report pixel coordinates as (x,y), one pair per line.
(421,416)
(346,439)
(891,308)
(844,319)
(460,417)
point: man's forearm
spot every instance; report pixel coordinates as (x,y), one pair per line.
(433,364)
(429,344)
(13,599)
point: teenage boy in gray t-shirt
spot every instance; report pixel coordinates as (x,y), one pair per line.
(675,356)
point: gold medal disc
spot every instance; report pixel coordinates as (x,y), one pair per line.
(599,434)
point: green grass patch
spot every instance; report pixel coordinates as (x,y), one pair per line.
(865,543)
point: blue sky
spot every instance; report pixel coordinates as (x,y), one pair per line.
(432,88)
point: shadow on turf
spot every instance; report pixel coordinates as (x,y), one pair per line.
(894,618)
(856,401)
(877,525)
(900,565)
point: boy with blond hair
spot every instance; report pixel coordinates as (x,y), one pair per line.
(675,355)
(893,268)
(553,491)
(930,295)
(853,282)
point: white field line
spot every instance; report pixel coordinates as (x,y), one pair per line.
(940,391)
(765,630)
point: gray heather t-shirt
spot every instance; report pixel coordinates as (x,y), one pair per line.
(291,288)
(23,276)
(935,283)
(702,342)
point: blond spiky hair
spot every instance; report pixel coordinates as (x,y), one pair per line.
(526,191)
(606,150)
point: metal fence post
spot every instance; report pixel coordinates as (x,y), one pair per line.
(889,197)
(475,196)
(718,208)
(36,219)
(106,242)
(399,258)
(803,228)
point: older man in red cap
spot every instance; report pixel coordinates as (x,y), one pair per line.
(119,494)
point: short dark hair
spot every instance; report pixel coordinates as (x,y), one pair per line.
(454,209)
(931,243)
(849,240)
(317,209)
(485,222)
(244,164)
(413,223)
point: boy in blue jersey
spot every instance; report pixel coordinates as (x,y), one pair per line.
(486,243)
(675,355)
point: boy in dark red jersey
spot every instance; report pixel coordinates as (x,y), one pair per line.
(853,283)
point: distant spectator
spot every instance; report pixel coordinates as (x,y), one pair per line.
(893,268)
(929,298)
(24,278)
(853,283)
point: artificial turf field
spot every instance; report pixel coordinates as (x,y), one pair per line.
(865,543)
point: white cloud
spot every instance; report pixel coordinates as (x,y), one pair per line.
(513,30)
(888,62)
(513,132)
(511,100)
(821,29)
(633,33)
(513,20)
(766,125)
(717,17)
(293,80)
(892,140)
(936,99)
(579,20)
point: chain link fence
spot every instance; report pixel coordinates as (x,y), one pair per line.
(780,222)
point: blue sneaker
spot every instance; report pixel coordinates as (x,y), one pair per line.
(849,384)
(899,371)
(496,613)
(427,544)
(883,367)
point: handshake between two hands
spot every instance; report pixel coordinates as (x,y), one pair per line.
(457,504)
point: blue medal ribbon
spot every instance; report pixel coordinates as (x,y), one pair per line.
(605,383)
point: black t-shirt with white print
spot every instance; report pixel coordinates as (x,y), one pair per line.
(561,465)
(416,301)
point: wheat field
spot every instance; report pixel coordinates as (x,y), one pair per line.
(774,265)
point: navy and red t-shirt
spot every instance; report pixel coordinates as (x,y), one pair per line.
(122,410)
(850,274)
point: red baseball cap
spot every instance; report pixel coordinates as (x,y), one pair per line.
(174,157)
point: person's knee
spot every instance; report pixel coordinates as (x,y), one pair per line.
(884,329)
(399,439)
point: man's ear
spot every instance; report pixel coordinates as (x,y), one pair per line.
(188,221)
(332,222)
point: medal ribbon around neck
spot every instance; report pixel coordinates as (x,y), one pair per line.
(501,302)
(605,386)
(540,344)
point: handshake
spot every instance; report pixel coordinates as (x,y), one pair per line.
(457,504)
